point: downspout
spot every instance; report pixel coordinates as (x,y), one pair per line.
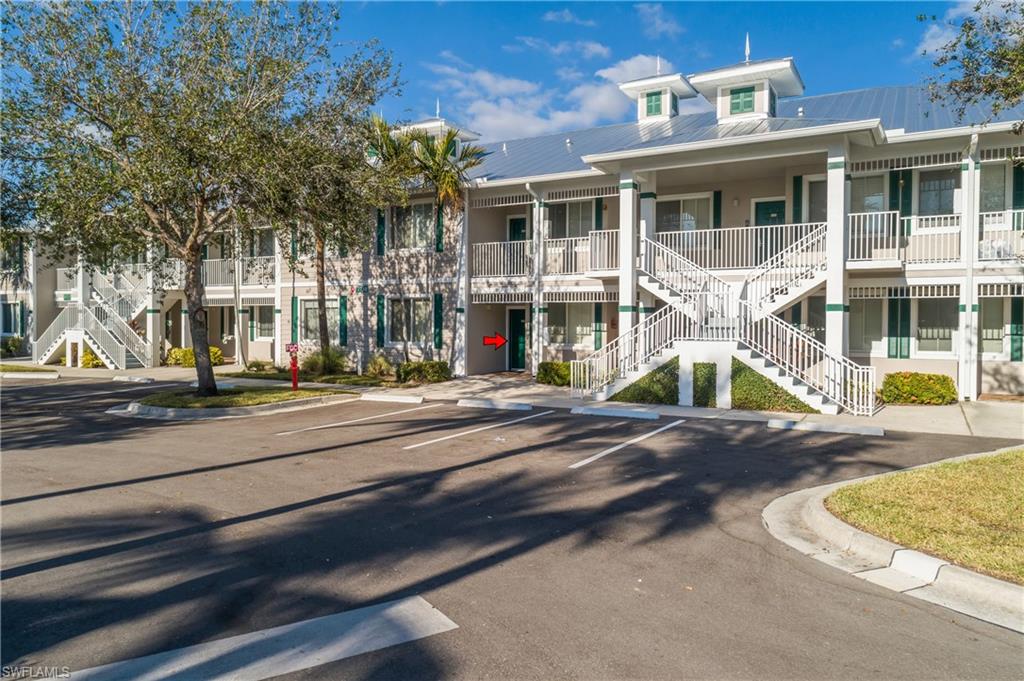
(538,267)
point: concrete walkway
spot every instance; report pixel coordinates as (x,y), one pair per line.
(983,419)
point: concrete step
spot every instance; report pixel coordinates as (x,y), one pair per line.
(788,383)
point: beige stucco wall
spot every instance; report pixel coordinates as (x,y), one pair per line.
(884,366)
(1002,377)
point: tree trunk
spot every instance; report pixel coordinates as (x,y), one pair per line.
(207,384)
(321,297)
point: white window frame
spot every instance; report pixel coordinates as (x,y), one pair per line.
(15,317)
(885,188)
(389,228)
(593,218)
(958,193)
(388,319)
(915,352)
(1004,354)
(878,348)
(766,199)
(1007,186)
(679,198)
(302,336)
(256,322)
(805,199)
(567,345)
(508,225)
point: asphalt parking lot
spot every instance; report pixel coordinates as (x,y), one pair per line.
(561,546)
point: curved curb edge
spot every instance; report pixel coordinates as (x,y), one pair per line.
(801,521)
(145,411)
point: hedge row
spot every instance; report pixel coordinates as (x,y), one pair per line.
(424,372)
(751,390)
(661,386)
(908,387)
(553,373)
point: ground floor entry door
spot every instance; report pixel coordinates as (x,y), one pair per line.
(516,339)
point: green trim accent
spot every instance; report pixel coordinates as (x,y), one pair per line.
(598,213)
(542,310)
(380,320)
(1018,186)
(741,100)
(67,296)
(1016,329)
(460,310)
(628,185)
(294,245)
(898,330)
(152,310)
(243,310)
(648,195)
(628,308)
(381,229)
(439,229)
(598,325)
(963,307)
(646,310)
(653,101)
(975,307)
(184,309)
(541,204)
(798,199)
(277,310)
(965,166)
(21,318)
(716,209)
(836,307)
(438,320)
(901,201)
(252,324)
(797,313)
(836,165)
(342,321)
(295,319)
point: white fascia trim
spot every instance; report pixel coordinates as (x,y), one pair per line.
(896,137)
(873,125)
(552,177)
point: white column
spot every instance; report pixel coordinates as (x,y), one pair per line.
(648,200)
(628,229)
(538,330)
(967,383)
(835,252)
(83,283)
(462,307)
(186,331)
(154,318)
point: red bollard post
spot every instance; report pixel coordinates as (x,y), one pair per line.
(293,350)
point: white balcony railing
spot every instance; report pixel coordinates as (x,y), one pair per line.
(604,249)
(734,247)
(567,256)
(874,236)
(502,259)
(258,271)
(1001,236)
(931,239)
(219,272)
(885,236)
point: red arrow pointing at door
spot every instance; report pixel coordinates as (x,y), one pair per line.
(497,340)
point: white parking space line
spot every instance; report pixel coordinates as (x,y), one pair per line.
(288,648)
(359,420)
(627,443)
(64,398)
(477,430)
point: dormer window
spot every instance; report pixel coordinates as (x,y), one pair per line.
(741,100)
(653,103)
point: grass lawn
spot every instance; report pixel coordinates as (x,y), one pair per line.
(970,513)
(23,368)
(233,397)
(338,379)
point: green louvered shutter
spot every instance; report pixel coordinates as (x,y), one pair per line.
(716,209)
(1018,194)
(439,229)
(295,319)
(252,323)
(899,328)
(380,232)
(797,314)
(343,321)
(598,213)
(380,320)
(598,323)
(438,320)
(21,318)
(798,199)
(1016,329)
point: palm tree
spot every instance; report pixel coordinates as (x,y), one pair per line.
(443,165)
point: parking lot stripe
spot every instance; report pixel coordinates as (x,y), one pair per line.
(477,430)
(288,648)
(359,420)
(627,443)
(74,396)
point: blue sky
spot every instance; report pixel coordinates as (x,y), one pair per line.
(510,70)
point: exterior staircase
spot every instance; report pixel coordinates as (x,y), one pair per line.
(103,322)
(702,307)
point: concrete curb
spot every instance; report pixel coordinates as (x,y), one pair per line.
(786,424)
(801,521)
(618,413)
(145,411)
(134,379)
(392,397)
(32,375)
(495,404)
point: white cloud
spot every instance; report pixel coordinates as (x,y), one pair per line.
(656,22)
(898,43)
(937,35)
(565,16)
(584,49)
(470,83)
(452,57)
(568,73)
(536,111)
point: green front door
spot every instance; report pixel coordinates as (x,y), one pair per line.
(517,229)
(516,339)
(768,213)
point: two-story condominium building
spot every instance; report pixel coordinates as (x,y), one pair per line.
(824,240)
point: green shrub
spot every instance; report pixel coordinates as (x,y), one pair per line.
(910,387)
(424,372)
(10,346)
(380,367)
(751,390)
(258,365)
(705,391)
(90,360)
(553,373)
(661,386)
(324,363)
(186,357)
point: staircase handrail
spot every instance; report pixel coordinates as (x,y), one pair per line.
(123,332)
(126,302)
(103,338)
(67,319)
(773,272)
